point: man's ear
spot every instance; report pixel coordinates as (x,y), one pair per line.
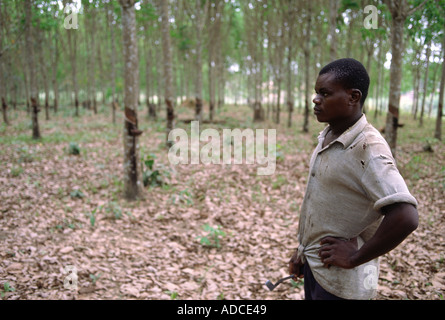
(356,96)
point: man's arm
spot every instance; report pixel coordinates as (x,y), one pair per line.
(400,220)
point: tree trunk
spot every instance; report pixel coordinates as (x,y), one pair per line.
(92,54)
(200,19)
(168,75)
(425,84)
(307,67)
(333,12)
(113,63)
(72,46)
(290,96)
(438,129)
(54,70)
(416,81)
(32,71)
(4,110)
(151,106)
(392,120)
(43,70)
(399,12)
(433,91)
(132,166)
(2,84)
(379,78)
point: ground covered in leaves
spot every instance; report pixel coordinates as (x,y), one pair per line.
(201,232)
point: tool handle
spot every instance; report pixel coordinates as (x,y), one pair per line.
(284,279)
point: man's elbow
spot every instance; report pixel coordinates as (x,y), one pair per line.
(411,218)
(404,215)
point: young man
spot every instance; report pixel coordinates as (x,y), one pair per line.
(357,206)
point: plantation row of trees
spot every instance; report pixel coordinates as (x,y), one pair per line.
(266,53)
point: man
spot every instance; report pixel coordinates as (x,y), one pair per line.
(357,206)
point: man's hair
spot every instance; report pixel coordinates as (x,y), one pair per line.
(351,74)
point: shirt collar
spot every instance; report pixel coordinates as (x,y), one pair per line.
(347,137)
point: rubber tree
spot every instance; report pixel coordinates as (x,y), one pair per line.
(132,165)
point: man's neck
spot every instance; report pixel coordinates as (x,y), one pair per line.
(336,129)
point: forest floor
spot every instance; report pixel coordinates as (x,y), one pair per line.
(59,210)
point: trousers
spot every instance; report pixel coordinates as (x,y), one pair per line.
(312,290)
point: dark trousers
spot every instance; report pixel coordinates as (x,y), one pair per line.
(312,290)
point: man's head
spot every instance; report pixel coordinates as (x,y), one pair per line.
(349,73)
(341,90)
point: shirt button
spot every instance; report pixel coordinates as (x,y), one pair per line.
(313,174)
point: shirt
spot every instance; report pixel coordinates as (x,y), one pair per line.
(350,180)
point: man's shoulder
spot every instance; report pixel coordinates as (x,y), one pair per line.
(370,143)
(373,137)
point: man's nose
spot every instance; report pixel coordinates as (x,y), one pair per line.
(316,99)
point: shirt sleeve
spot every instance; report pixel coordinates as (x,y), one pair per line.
(384,184)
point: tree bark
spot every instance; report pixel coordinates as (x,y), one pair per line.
(307,66)
(425,84)
(438,129)
(333,12)
(43,69)
(2,85)
(113,61)
(199,25)
(72,47)
(54,71)
(132,166)
(150,106)
(399,12)
(168,73)
(32,71)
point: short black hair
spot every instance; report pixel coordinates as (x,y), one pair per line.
(350,73)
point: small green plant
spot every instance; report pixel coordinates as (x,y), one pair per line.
(277,184)
(173,294)
(77,193)
(25,154)
(213,236)
(92,215)
(184,197)
(16,171)
(94,277)
(114,210)
(151,176)
(73,149)
(6,288)
(296,284)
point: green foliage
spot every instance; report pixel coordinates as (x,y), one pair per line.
(73,148)
(16,171)
(92,215)
(153,177)
(25,154)
(173,294)
(183,197)
(213,237)
(114,210)
(94,277)
(77,193)
(6,288)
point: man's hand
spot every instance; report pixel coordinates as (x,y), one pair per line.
(400,220)
(295,266)
(338,252)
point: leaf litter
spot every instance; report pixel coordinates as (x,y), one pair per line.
(150,248)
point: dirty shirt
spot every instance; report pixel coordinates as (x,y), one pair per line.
(350,180)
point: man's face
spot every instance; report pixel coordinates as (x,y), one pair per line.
(331,100)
